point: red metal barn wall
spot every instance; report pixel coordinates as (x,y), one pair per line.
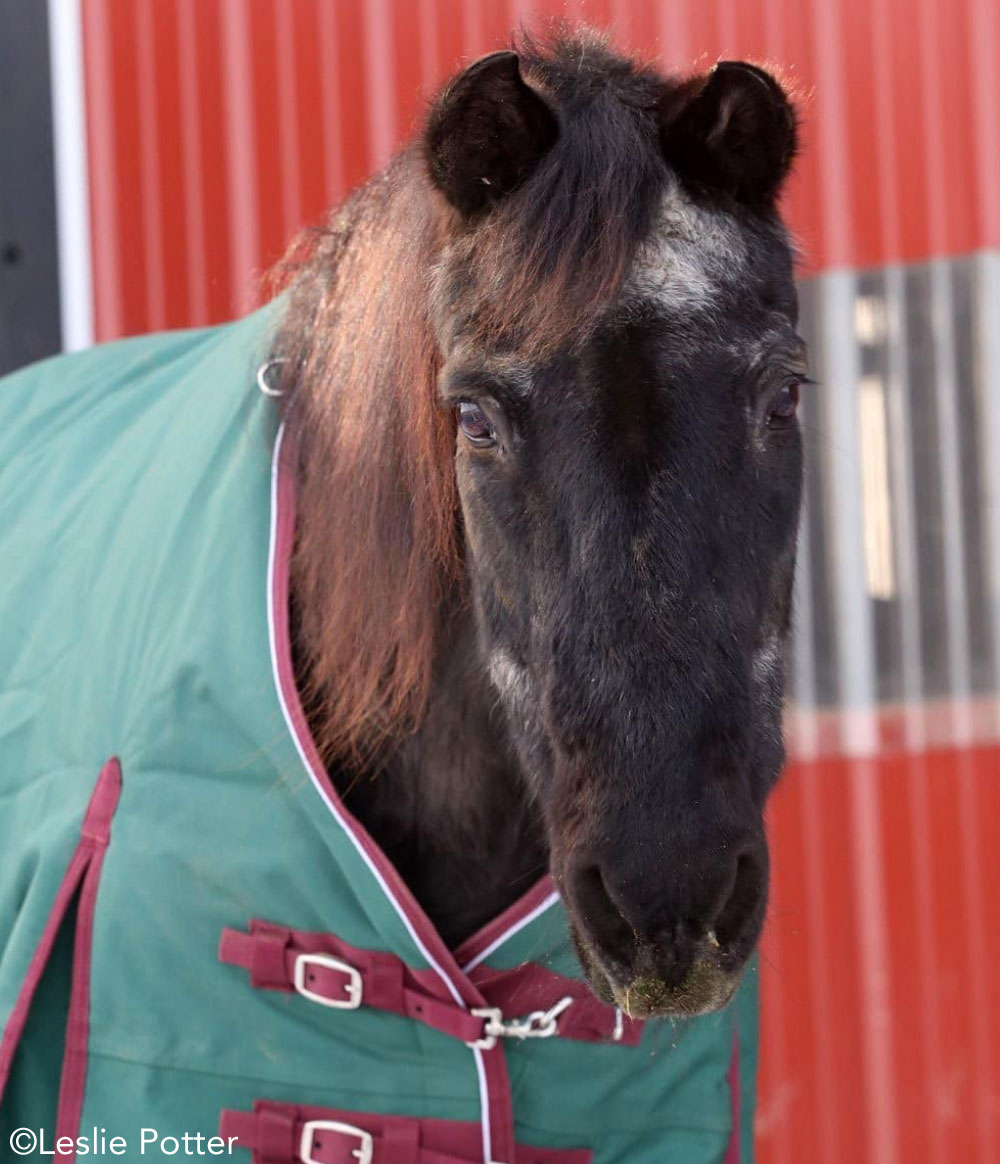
(216,128)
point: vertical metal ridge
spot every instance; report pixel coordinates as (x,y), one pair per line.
(150,176)
(472,27)
(331,112)
(901,471)
(380,83)
(924,955)
(987,339)
(885,126)
(675,40)
(984,38)
(818,937)
(806,744)
(241,155)
(980,972)
(872,912)
(830,137)
(103,169)
(192,175)
(841,374)
(933,127)
(288,159)
(430,69)
(953,533)
(858,693)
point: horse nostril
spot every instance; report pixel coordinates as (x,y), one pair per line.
(742,900)
(638,920)
(597,910)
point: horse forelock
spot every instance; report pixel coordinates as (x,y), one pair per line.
(537,271)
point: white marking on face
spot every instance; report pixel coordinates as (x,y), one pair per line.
(766,662)
(767,681)
(691,254)
(508,678)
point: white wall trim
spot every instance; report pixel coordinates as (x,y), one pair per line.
(69,144)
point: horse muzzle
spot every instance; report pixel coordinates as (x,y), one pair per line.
(676,945)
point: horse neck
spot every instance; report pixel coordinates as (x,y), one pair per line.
(450,808)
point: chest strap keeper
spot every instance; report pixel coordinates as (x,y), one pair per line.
(281,1133)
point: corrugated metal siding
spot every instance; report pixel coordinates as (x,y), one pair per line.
(218,127)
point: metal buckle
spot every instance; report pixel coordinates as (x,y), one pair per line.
(540,1024)
(353,985)
(363,1153)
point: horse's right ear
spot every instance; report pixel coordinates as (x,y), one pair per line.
(486,133)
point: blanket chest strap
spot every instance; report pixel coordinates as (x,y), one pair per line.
(281,1133)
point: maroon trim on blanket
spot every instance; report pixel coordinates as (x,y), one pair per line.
(273,1133)
(497,929)
(733,1076)
(96,834)
(39,960)
(271,952)
(83,868)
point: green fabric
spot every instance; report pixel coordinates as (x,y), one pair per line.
(135,508)
(34,1083)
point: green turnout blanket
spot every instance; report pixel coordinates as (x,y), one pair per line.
(201,952)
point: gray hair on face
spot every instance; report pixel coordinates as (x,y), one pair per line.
(692,252)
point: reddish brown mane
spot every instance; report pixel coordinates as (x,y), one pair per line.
(376,544)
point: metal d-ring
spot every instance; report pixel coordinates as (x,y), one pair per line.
(262,372)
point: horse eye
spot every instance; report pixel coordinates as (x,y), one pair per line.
(475,425)
(783,406)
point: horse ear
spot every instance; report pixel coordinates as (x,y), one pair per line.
(732,131)
(486,133)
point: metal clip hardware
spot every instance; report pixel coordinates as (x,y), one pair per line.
(263,383)
(540,1024)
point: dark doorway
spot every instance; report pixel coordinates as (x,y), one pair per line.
(29,267)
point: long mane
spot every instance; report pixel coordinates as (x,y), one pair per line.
(376,542)
(378,547)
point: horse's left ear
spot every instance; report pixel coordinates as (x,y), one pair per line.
(732,131)
(486,133)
